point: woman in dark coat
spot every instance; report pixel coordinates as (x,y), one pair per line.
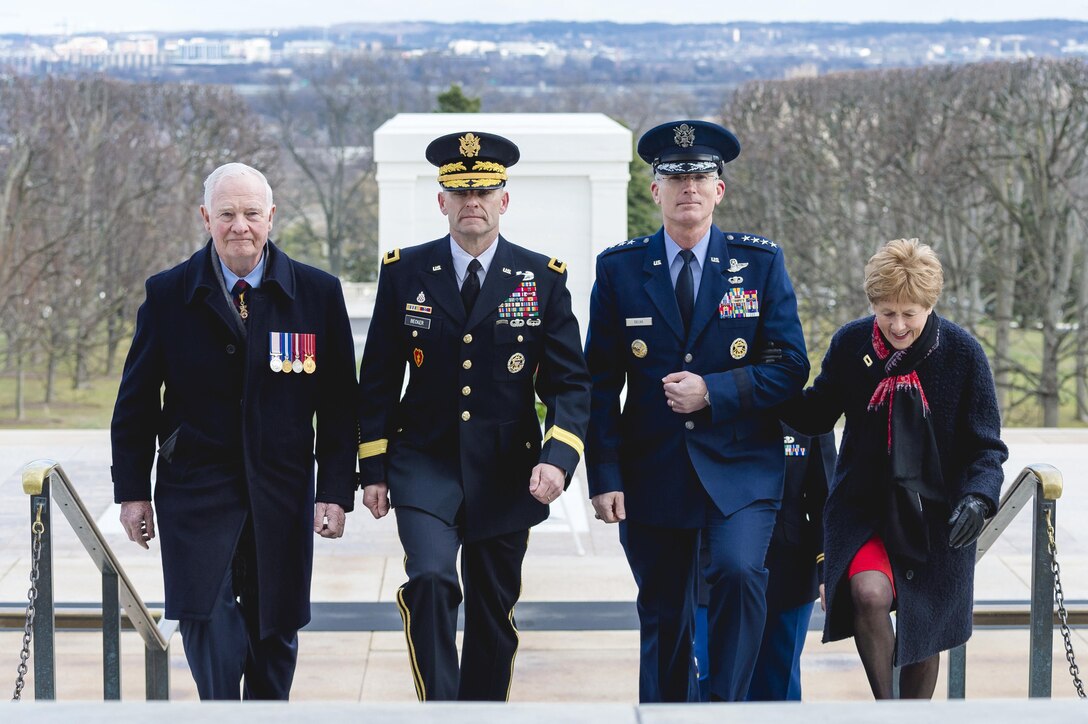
(919,470)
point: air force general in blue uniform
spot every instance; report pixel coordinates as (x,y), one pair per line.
(680,317)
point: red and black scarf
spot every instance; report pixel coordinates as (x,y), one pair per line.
(903,429)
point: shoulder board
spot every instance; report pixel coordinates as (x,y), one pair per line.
(557,266)
(753,240)
(391,256)
(637,243)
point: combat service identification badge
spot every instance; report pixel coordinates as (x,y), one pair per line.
(739,348)
(417,356)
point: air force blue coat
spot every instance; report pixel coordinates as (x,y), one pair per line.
(243,439)
(636,337)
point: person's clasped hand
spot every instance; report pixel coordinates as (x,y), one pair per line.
(967,521)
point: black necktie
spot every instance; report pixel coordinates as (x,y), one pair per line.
(239,294)
(470,288)
(685,288)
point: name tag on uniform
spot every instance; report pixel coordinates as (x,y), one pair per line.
(640,321)
(419,322)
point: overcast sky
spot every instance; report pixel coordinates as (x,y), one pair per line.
(79,16)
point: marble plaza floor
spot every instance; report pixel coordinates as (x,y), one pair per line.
(571,558)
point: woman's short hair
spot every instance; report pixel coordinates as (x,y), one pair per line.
(904,270)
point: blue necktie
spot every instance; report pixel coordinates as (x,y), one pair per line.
(685,289)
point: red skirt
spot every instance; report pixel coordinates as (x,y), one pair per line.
(872,556)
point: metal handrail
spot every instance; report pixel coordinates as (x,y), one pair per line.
(46,479)
(1043,483)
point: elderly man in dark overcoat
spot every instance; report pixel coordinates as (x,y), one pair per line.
(680,317)
(481,324)
(236,351)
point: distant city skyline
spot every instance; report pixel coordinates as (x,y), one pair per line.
(82,17)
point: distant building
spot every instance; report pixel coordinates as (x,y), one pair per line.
(204,51)
(294,49)
(804,70)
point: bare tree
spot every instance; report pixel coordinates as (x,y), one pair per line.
(325,119)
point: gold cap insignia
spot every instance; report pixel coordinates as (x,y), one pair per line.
(684,135)
(470,145)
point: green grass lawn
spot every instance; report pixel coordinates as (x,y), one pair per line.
(89,407)
(92,406)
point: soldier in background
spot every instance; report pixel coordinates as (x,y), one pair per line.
(794,561)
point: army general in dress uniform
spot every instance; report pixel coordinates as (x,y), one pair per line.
(481,324)
(680,318)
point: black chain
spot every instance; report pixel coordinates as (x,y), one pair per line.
(1063,616)
(32,596)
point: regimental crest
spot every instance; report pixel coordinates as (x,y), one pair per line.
(684,135)
(470,145)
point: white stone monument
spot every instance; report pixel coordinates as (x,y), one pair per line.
(568,193)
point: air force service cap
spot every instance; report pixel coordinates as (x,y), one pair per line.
(688,147)
(472,160)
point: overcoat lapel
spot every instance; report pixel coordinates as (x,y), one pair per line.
(201,281)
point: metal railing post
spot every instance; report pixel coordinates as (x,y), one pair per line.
(957,672)
(111,636)
(117,591)
(45,667)
(157,674)
(1042,602)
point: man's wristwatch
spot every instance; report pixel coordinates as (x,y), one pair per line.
(706,398)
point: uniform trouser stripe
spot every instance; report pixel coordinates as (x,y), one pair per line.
(514,626)
(406,617)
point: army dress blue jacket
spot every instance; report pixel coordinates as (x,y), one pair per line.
(636,337)
(462,441)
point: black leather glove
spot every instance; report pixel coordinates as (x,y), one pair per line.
(770,354)
(967,521)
